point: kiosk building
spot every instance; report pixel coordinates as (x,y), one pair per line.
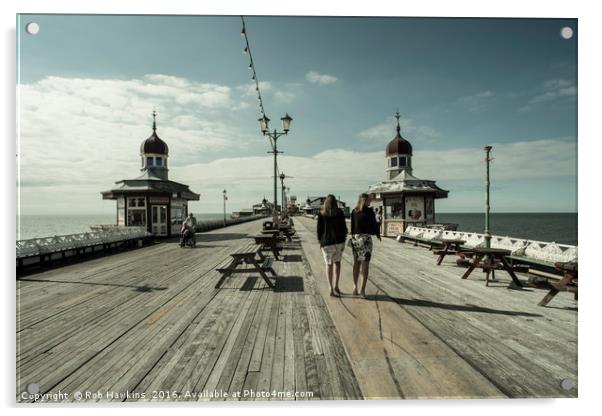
(405,199)
(151,200)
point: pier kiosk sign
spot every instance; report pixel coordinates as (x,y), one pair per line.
(414,209)
(406,198)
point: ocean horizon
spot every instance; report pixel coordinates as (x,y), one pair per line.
(559,227)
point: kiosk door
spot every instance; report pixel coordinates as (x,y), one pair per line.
(159,219)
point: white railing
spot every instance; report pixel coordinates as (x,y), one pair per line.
(59,243)
(537,250)
(207,225)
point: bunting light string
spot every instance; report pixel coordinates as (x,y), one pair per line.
(247,51)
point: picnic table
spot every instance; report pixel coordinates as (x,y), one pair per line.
(449,246)
(567,283)
(270,242)
(287,230)
(490,259)
(250,255)
(270,231)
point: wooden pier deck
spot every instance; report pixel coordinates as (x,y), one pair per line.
(148,325)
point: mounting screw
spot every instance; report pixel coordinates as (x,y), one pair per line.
(33,388)
(566,384)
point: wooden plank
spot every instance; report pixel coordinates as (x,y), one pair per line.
(492,332)
(238,380)
(267,358)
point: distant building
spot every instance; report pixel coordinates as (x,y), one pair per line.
(292,201)
(151,200)
(313,204)
(245,212)
(263,208)
(292,208)
(406,199)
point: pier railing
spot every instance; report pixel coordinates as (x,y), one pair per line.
(549,252)
(101,238)
(207,225)
(74,242)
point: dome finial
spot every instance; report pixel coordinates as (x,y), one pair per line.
(397,117)
(154,120)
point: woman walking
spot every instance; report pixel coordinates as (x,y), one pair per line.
(363,226)
(332,233)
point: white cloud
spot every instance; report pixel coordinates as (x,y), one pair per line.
(284,97)
(79,136)
(317,78)
(385,131)
(339,171)
(553,89)
(250,89)
(476,101)
(75,130)
(348,173)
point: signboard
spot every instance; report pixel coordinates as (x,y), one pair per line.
(430,212)
(158,199)
(414,209)
(393,228)
(121,217)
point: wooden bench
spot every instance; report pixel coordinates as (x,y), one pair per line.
(250,255)
(287,231)
(567,282)
(540,265)
(271,242)
(557,277)
(432,243)
(449,246)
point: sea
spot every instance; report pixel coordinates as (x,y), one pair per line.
(550,227)
(36,226)
(557,227)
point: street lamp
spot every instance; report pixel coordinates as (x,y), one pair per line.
(224,192)
(264,122)
(487,185)
(282,176)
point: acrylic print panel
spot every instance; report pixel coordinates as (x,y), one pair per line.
(172,174)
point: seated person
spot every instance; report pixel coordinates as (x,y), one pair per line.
(186,234)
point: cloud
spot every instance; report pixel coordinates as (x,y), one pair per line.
(476,101)
(284,97)
(317,78)
(79,136)
(347,173)
(281,93)
(342,172)
(81,130)
(250,89)
(552,90)
(385,131)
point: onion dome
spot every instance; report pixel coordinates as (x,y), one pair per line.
(154,144)
(399,145)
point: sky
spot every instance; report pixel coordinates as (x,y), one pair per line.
(88,85)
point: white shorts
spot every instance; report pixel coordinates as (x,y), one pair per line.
(333,253)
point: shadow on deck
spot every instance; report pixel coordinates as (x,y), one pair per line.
(79,330)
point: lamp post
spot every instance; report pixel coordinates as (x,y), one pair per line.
(265,129)
(283,199)
(287,192)
(224,192)
(487,183)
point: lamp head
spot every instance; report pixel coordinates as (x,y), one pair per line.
(286,122)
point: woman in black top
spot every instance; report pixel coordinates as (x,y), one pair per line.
(332,233)
(363,226)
